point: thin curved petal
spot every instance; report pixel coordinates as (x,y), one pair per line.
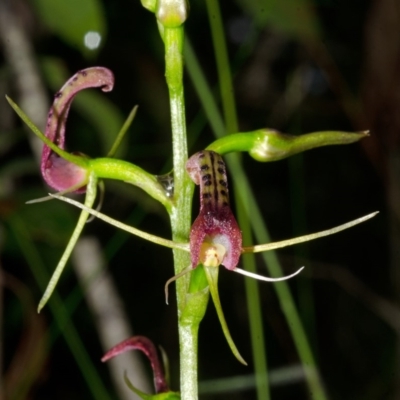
(145,345)
(57,172)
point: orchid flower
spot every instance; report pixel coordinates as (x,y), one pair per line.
(74,172)
(59,173)
(145,345)
(215,238)
(63,173)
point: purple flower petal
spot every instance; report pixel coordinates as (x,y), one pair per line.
(145,345)
(58,173)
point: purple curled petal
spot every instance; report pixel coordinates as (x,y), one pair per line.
(52,165)
(61,174)
(145,345)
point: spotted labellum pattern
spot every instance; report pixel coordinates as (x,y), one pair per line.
(215,227)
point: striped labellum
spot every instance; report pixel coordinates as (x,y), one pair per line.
(215,238)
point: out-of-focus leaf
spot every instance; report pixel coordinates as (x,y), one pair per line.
(46,221)
(72,20)
(29,357)
(92,105)
(294,17)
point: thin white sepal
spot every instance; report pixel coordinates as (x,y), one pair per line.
(62,193)
(266,278)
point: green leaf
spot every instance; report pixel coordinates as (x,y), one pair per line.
(73,19)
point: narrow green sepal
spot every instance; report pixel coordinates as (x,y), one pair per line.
(267,145)
(196,300)
(81,161)
(144,396)
(212,277)
(89,201)
(198,280)
(122,132)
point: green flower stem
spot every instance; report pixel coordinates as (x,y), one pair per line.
(269,145)
(110,168)
(195,308)
(181,210)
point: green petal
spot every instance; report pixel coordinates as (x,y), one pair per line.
(212,277)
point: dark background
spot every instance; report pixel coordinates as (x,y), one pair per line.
(299,67)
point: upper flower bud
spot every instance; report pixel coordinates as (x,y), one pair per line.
(268,145)
(171,13)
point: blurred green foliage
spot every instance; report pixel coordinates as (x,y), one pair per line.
(279,83)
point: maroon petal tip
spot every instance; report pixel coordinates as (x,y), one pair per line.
(145,345)
(51,164)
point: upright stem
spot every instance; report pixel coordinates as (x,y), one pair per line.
(181,210)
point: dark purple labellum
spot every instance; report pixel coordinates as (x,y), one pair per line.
(215,223)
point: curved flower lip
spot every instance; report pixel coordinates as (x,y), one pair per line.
(145,345)
(216,228)
(58,173)
(215,223)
